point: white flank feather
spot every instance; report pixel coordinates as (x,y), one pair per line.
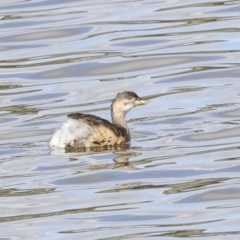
(71,130)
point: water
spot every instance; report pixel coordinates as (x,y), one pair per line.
(180,179)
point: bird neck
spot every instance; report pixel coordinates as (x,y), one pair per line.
(118,119)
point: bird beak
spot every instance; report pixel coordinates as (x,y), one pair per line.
(140,102)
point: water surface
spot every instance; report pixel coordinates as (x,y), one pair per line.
(180,178)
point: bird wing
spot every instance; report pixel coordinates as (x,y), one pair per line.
(101,131)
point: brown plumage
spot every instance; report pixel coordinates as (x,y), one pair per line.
(86,131)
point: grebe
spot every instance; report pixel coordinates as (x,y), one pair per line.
(86,131)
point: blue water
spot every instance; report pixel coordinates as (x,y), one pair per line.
(180,178)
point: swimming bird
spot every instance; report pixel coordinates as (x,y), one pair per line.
(87,131)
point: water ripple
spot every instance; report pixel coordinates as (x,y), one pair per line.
(179,178)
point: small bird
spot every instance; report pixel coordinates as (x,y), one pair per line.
(89,131)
